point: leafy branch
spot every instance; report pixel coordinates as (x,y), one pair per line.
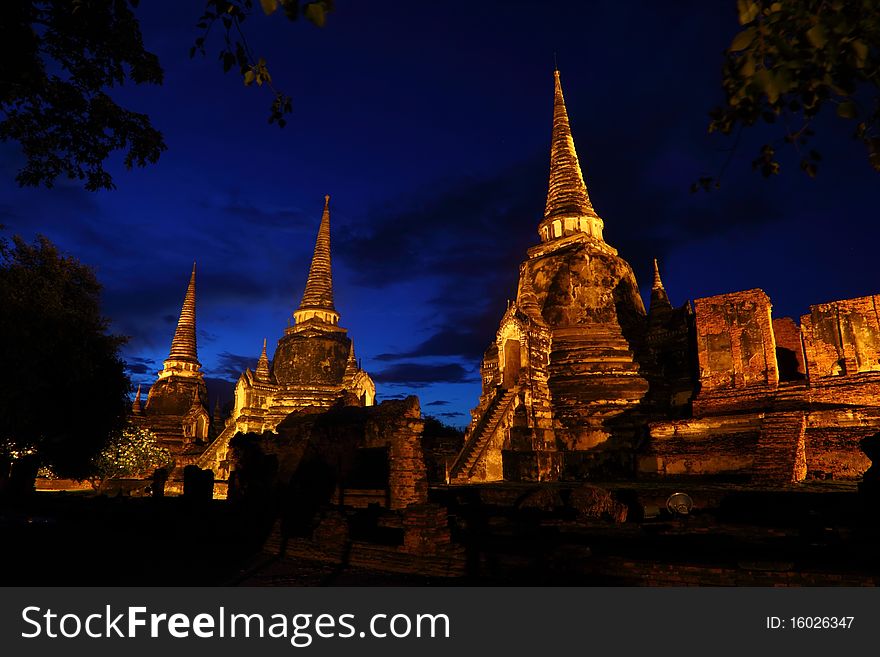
(791,59)
(58,63)
(236,52)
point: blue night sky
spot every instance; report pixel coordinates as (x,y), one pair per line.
(429,124)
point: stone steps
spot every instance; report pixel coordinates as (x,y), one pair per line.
(780,448)
(472,450)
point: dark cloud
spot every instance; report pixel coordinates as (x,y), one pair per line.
(138,365)
(460,229)
(230,366)
(451,340)
(439,402)
(451,415)
(416,375)
(264,216)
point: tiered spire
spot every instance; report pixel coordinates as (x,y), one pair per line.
(568,204)
(351,365)
(659,298)
(567,194)
(183,345)
(262,373)
(317,300)
(136,408)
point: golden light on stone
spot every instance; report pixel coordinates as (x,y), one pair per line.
(314,366)
(579,379)
(578,374)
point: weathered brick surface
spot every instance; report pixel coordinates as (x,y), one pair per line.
(735,343)
(780,453)
(810,424)
(789,349)
(723,445)
(832,452)
(842,337)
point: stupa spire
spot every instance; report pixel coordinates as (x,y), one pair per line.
(317,300)
(659,298)
(136,408)
(183,345)
(568,209)
(262,372)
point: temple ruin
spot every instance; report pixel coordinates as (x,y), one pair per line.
(177,404)
(581,382)
(313,368)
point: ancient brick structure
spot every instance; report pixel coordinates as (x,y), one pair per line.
(580,381)
(777,403)
(177,405)
(561,377)
(314,365)
(354,488)
(669,355)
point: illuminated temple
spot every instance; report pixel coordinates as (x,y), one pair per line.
(313,368)
(177,405)
(581,382)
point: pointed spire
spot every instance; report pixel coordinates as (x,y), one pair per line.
(659,298)
(183,345)
(317,300)
(262,373)
(528,301)
(136,407)
(567,194)
(351,366)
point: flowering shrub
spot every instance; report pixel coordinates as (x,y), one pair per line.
(133,452)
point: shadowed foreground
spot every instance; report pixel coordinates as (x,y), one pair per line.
(816,535)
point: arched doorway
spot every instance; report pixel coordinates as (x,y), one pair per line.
(512,363)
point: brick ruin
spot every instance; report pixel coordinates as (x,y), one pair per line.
(776,402)
(581,382)
(353,486)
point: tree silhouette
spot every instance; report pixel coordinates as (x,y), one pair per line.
(792,59)
(61,59)
(64,388)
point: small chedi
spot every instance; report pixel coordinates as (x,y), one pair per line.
(177,404)
(314,365)
(580,381)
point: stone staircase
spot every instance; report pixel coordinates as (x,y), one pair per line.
(476,444)
(211,457)
(790,396)
(780,453)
